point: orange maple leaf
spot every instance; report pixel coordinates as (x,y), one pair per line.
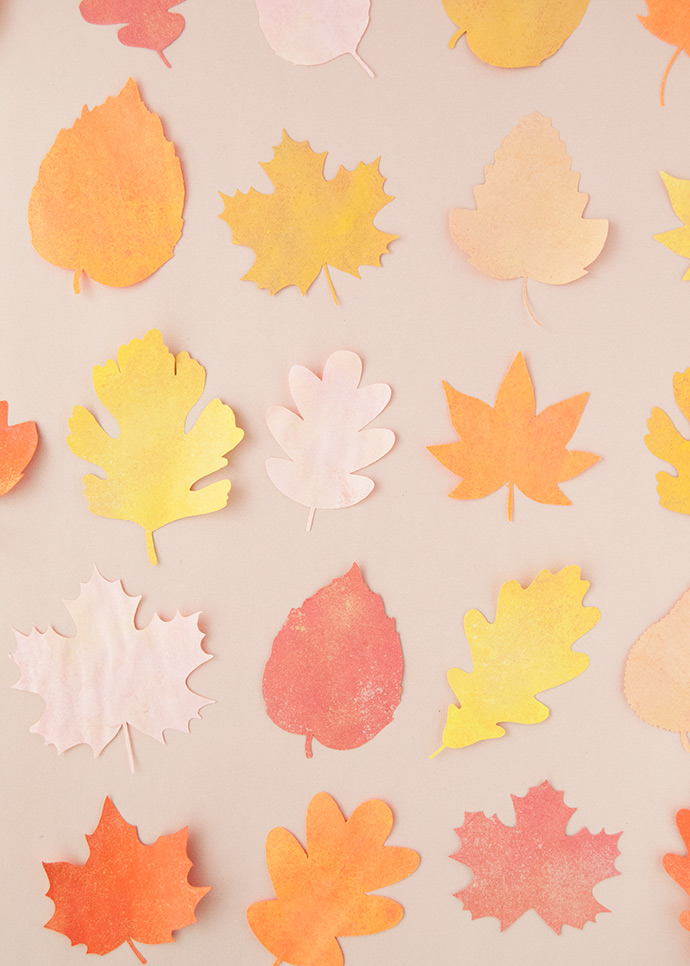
(125,890)
(678,866)
(17,446)
(511,443)
(669,20)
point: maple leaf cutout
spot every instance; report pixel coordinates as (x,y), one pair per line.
(125,890)
(308,223)
(678,239)
(109,196)
(664,441)
(321,892)
(111,675)
(17,447)
(534,864)
(511,443)
(149,23)
(525,651)
(327,442)
(669,20)
(678,866)
(153,463)
(529,221)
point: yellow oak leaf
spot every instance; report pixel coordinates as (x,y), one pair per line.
(525,651)
(308,223)
(668,444)
(153,463)
(678,239)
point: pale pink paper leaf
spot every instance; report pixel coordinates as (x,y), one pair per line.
(327,442)
(111,674)
(310,32)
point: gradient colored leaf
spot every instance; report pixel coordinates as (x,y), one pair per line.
(149,23)
(678,866)
(17,447)
(678,239)
(664,441)
(669,20)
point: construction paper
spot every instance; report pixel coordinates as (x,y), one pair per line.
(678,239)
(321,892)
(335,670)
(678,866)
(514,33)
(125,891)
(309,223)
(534,864)
(111,675)
(669,20)
(148,23)
(109,195)
(527,650)
(528,221)
(152,464)
(511,443)
(17,447)
(314,31)
(326,440)
(664,441)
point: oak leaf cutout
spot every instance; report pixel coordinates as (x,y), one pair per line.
(335,670)
(534,864)
(678,239)
(148,23)
(109,196)
(111,675)
(669,20)
(664,441)
(529,221)
(525,651)
(326,440)
(511,444)
(308,223)
(514,33)
(678,866)
(17,447)
(321,892)
(153,463)
(125,891)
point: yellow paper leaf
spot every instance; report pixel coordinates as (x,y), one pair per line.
(666,442)
(153,463)
(678,239)
(308,223)
(525,651)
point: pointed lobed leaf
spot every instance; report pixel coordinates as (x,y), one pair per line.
(149,23)
(17,447)
(314,31)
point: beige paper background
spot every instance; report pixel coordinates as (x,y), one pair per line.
(435,117)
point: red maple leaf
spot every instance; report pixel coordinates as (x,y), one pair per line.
(148,22)
(534,864)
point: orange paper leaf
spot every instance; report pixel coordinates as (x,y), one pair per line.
(109,196)
(149,23)
(678,866)
(321,892)
(17,447)
(511,443)
(669,20)
(125,891)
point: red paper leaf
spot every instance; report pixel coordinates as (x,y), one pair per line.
(17,446)
(534,864)
(335,670)
(148,22)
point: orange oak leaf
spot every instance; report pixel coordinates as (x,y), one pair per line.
(678,866)
(321,892)
(534,864)
(125,890)
(669,20)
(17,447)
(511,443)
(109,196)
(149,23)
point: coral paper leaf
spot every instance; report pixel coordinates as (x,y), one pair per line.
(308,223)
(514,33)
(678,866)
(335,670)
(678,239)
(669,20)
(17,447)
(664,441)
(125,890)
(511,443)
(525,651)
(321,892)
(534,864)
(149,23)
(109,196)
(111,673)
(153,463)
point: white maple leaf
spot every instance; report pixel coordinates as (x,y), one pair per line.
(327,442)
(111,674)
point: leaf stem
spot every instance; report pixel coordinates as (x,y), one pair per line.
(510,501)
(330,283)
(128,742)
(307,746)
(136,952)
(361,63)
(525,299)
(663,79)
(456,36)
(164,58)
(684,740)
(310,518)
(151,548)
(76,281)
(437,752)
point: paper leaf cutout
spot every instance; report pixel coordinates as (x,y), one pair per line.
(308,223)
(312,32)
(669,20)
(668,444)
(678,866)
(511,443)
(335,670)
(17,447)
(111,674)
(153,463)
(125,890)
(514,33)
(321,892)
(529,222)
(327,442)
(109,195)
(678,239)
(534,864)
(525,651)
(149,23)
